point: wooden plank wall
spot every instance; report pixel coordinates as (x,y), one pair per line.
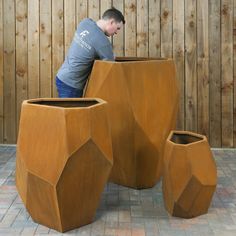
(199,35)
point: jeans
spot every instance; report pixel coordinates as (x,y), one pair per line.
(65,91)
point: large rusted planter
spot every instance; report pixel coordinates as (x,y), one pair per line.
(142,96)
(64,157)
(189,178)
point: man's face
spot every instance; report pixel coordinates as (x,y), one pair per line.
(113,27)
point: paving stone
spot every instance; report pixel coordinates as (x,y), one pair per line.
(29,231)
(124,216)
(41,229)
(126,211)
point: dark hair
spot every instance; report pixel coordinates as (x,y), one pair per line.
(115,14)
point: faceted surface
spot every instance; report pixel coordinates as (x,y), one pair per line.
(189,178)
(64,157)
(142,96)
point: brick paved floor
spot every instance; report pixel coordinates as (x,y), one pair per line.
(125,211)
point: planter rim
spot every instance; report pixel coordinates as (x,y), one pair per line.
(32,102)
(184,132)
(140,59)
(120,60)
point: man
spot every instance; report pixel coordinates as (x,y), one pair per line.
(90,42)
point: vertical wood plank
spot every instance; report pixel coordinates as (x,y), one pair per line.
(45,48)
(142,28)
(234,53)
(203,66)
(94,9)
(9,72)
(33,48)
(70,22)
(154,43)
(201,38)
(215,73)
(190,66)
(130,28)
(178,55)
(118,40)
(81,10)
(166,28)
(1,73)
(21,55)
(104,5)
(227,72)
(57,40)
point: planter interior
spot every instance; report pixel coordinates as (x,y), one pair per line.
(184,138)
(130,59)
(68,103)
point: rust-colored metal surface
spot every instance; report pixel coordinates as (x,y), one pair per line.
(143,97)
(190,176)
(64,157)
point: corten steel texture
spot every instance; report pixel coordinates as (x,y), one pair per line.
(64,157)
(143,97)
(189,178)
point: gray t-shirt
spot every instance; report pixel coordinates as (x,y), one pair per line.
(89,43)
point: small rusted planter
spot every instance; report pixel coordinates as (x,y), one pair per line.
(190,176)
(64,157)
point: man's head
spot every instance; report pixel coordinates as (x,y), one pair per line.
(113,21)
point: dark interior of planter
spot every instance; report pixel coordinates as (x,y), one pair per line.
(184,138)
(127,59)
(66,103)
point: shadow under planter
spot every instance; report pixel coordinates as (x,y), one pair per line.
(142,96)
(190,177)
(64,158)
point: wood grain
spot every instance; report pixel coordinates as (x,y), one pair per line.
(1,74)
(214,73)
(21,56)
(45,49)
(179,56)
(199,35)
(202,68)
(190,65)
(57,40)
(9,69)
(227,72)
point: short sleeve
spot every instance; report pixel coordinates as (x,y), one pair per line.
(105,53)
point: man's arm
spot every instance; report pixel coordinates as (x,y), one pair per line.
(105,53)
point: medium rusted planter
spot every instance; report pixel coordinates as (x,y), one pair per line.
(190,177)
(64,157)
(142,96)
